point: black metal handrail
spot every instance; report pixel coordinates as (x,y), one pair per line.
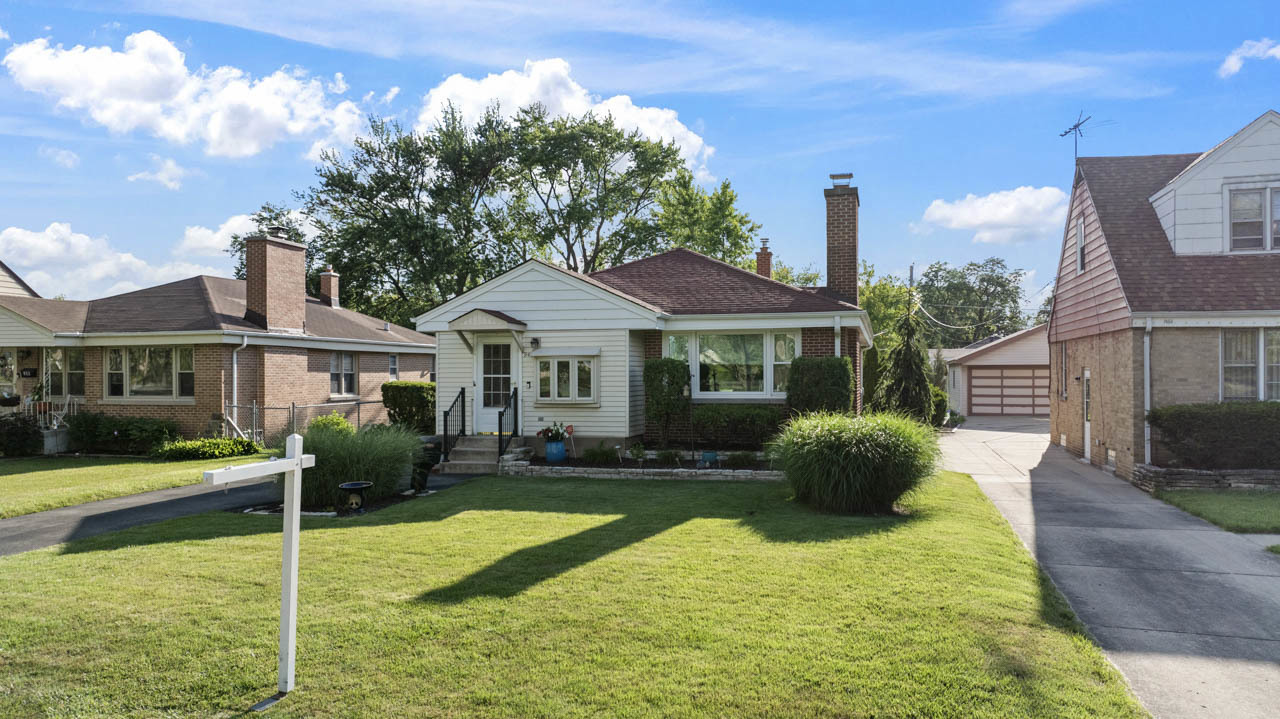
(508,423)
(455,424)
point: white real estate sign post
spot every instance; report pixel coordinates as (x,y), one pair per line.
(292,465)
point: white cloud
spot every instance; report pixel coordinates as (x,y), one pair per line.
(1248,50)
(338,85)
(1018,215)
(3,35)
(391,95)
(60,156)
(204,242)
(57,260)
(148,87)
(167,172)
(1037,13)
(549,82)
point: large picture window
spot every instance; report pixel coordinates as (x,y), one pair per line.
(566,379)
(1250,364)
(737,363)
(146,372)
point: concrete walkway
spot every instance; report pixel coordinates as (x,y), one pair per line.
(1189,613)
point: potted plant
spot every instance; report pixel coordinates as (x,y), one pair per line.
(554,436)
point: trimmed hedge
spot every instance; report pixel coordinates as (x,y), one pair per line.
(1226,435)
(93,432)
(822,384)
(729,426)
(206,448)
(665,381)
(412,404)
(382,454)
(855,464)
(20,436)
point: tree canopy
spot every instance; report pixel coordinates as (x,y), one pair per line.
(706,222)
(980,298)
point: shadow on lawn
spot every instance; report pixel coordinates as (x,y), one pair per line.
(643,509)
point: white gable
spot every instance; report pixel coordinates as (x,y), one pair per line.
(17,331)
(543,298)
(1193,207)
(1030,347)
(9,285)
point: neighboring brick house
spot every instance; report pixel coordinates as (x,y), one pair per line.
(187,350)
(574,346)
(1168,292)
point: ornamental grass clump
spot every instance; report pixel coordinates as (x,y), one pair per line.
(855,464)
(382,454)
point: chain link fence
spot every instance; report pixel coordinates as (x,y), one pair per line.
(270,425)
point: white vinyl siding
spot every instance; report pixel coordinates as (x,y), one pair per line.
(635,385)
(9,286)
(15,332)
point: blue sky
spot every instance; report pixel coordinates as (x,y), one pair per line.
(136,136)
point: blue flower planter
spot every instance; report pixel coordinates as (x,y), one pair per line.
(555,452)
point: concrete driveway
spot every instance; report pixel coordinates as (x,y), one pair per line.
(1188,612)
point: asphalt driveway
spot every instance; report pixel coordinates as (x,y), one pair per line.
(1188,612)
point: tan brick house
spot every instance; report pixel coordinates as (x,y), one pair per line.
(1168,292)
(188,350)
(573,346)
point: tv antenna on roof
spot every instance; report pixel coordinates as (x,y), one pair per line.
(1076,131)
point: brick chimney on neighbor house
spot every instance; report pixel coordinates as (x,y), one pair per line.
(329,286)
(764,259)
(275,272)
(842,236)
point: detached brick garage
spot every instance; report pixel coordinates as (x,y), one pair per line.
(1007,377)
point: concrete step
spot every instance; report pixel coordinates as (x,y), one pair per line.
(474,454)
(472,441)
(469,468)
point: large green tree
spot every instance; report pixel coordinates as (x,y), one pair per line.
(885,298)
(977,299)
(807,276)
(707,222)
(272,215)
(586,187)
(904,381)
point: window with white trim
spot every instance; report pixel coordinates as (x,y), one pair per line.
(342,374)
(1080,244)
(148,373)
(566,379)
(738,364)
(1254,219)
(1250,364)
(393,366)
(64,371)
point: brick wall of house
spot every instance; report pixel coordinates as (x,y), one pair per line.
(1184,365)
(1114,360)
(194,417)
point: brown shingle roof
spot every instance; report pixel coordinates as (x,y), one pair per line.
(53,315)
(683,282)
(197,304)
(1153,278)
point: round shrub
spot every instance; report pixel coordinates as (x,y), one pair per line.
(206,448)
(847,464)
(20,436)
(333,421)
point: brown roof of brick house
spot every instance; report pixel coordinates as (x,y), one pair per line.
(53,315)
(197,304)
(683,282)
(1153,278)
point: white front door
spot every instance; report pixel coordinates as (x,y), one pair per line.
(495,372)
(1088,412)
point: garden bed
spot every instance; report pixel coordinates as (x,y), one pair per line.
(628,463)
(523,468)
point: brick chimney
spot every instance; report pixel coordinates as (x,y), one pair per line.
(329,286)
(842,236)
(764,259)
(275,282)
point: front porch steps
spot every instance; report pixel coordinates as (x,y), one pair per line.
(475,454)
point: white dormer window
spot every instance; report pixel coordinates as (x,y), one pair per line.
(1079,244)
(1248,220)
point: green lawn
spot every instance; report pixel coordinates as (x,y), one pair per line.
(40,483)
(560,598)
(1234,509)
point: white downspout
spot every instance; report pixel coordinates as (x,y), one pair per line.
(1146,392)
(836,331)
(235,376)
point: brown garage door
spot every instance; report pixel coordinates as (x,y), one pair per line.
(1008,390)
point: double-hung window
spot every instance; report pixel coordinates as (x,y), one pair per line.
(737,364)
(393,366)
(147,373)
(1255,219)
(342,374)
(64,371)
(566,379)
(1250,364)
(1079,244)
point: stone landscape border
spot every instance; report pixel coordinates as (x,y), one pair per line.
(520,468)
(1153,479)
